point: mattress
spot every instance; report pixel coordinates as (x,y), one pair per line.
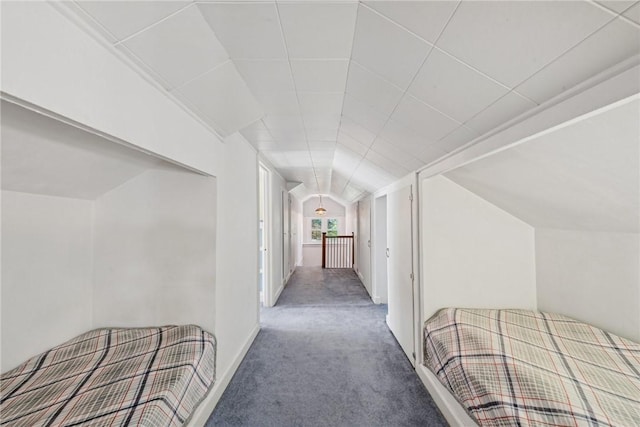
(126,376)
(525,368)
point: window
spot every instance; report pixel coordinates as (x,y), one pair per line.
(316,229)
(332,227)
(328,225)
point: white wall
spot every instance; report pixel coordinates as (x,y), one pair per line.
(591,276)
(69,73)
(155,251)
(474,254)
(237,295)
(46,273)
(363,242)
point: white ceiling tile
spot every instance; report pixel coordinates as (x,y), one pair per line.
(424,120)
(617,6)
(318,30)
(386,49)
(405,139)
(322,159)
(345,161)
(320,103)
(325,135)
(430,154)
(320,75)
(257,132)
(614,43)
(322,146)
(280,145)
(363,114)
(509,41)
(453,88)
(388,165)
(222,96)
(455,139)
(356,131)
(273,122)
(179,48)
(634,13)
(278,103)
(372,177)
(502,111)
(366,86)
(123,19)
(425,18)
(393,153)
(322,121)
(289,136)
(352,143)
(247,30)
(266,76)
(352,193)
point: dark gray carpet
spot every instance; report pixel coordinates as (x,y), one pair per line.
(325,357)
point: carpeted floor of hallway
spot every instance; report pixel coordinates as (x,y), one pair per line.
(325,357)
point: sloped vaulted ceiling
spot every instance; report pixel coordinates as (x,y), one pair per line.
(348,96)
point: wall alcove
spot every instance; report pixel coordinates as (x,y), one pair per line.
(96,234)
(551,222)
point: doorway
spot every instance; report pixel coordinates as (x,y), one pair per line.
(264,236)
(400,277)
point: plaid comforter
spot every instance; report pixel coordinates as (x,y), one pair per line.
(525,368)
(115,377)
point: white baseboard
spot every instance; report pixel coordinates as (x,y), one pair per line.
(208,404)
(277,295)
(452,410)
(376,300)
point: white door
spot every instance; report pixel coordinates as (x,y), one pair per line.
(400,269)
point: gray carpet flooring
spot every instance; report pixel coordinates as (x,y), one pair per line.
(325,357)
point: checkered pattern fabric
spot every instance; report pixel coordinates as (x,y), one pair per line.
(525,368)
(112,377)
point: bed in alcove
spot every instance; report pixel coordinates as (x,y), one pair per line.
(549,224)
(103,246)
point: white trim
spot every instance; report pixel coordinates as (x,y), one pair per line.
(204,410)
(376,300)
(452,410)
(277,295)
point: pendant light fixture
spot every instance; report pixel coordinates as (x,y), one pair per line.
(320,211)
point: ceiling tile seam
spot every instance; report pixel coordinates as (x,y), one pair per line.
(402,27)
(394,162)
(514,91)
(594,32)
(127,61)
(148,27)
(199,76)
(617,14)
(434,44)
(399,149)
(503,126)
(286,49)
(405,92)
(198,112)
(239,58)
(95,21)
(346,81)
(153,74)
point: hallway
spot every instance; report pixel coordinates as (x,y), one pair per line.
(325,357)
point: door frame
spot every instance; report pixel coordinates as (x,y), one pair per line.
(264,208)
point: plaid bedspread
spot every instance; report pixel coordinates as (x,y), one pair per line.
(525,368)
(115,377)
